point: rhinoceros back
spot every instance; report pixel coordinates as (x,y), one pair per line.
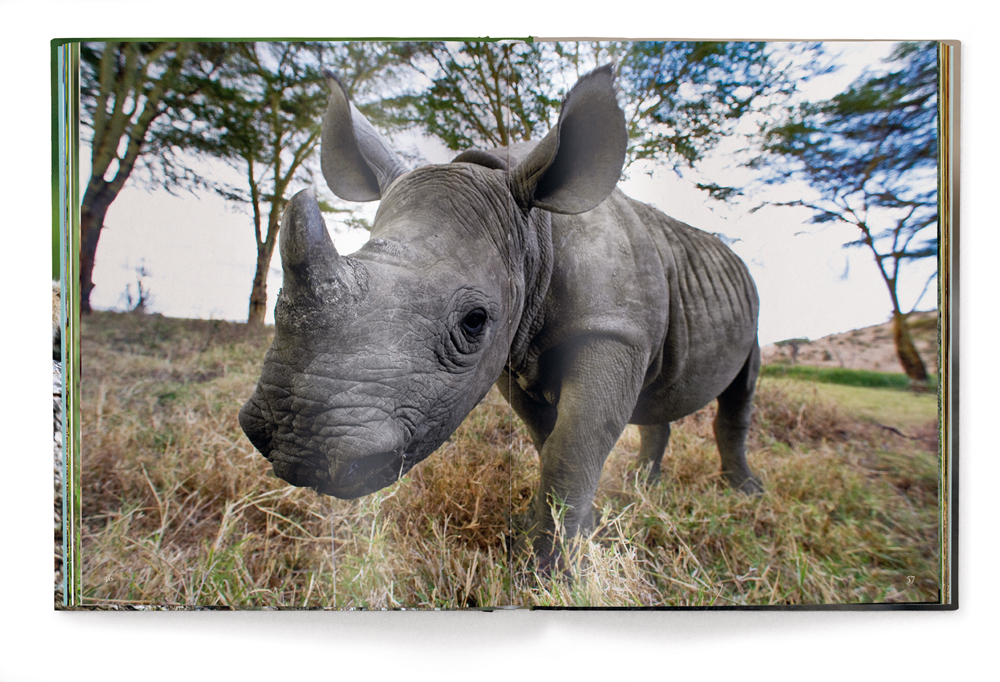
(712,319)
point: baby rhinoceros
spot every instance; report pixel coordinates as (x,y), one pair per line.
(522,266)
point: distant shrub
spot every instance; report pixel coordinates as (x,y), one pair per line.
(792,342)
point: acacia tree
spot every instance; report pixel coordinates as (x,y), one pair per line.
(126,90)
(262,116)
(870,154)
(482,93)
(680,98)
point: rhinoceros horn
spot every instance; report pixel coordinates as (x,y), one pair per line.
(308,257)
(357,163)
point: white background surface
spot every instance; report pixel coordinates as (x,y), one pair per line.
(37,643)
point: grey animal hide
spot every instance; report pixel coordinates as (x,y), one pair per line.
(521,266)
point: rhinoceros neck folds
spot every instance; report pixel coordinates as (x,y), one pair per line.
(537,270)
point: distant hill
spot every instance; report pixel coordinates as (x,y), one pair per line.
(868,348)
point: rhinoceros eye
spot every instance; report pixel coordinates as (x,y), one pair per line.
(473,322)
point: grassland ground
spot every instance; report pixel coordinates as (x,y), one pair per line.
(180,510)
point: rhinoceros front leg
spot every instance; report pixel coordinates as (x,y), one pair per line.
(600,384)
(732,424)
(538,417)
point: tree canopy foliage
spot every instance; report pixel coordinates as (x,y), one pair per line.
(870,154)
(482,93)
(257,107)
(680,98)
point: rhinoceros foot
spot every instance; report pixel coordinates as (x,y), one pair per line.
(746,484)
(547,554)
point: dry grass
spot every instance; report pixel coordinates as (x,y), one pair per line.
(179,508)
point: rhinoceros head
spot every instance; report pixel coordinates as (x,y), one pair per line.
(377,357)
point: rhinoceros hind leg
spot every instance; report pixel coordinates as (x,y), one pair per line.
(653,444)
(732,424)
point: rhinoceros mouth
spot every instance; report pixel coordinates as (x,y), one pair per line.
(368,474)
(347,480)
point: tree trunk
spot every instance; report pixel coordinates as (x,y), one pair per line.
(906,351)
(258,294)
(265,249)
(91,224)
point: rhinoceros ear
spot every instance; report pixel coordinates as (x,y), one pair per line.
(357,163)
(577,165)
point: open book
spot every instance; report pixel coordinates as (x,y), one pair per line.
(551,324)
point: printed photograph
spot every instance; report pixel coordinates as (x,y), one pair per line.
(475,325)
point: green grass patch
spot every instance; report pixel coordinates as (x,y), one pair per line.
(900,409)
(840,375)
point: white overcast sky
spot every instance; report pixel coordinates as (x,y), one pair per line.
(199,250)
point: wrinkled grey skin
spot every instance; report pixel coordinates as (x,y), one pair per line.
(523,267)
